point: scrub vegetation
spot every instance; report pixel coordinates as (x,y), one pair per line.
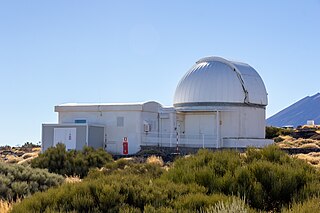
(266,180)
(273,132)
(17,181)
(71,163)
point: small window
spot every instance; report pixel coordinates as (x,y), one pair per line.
(120,121)
(80,121)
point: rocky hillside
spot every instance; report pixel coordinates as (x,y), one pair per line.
(298,113)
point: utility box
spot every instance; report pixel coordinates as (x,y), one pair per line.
(74,136)
(310,122)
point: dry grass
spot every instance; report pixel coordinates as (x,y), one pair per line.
(155,160)
(313,158)
(72,179)
(290,142)
(5,206)
(28,157)
(36,149)
(18,156)
(309,146)
(12,159)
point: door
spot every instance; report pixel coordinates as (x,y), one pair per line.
(66,136)
(200,128)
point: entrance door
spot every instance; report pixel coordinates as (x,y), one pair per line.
(200,128)
(197,124)
(66,136)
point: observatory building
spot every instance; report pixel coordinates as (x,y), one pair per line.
(217,104)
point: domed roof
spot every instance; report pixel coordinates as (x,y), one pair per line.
(214,80)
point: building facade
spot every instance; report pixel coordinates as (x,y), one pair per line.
(217,104)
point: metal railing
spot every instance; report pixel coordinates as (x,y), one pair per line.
(182,140)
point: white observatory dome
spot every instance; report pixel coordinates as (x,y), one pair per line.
(217,81)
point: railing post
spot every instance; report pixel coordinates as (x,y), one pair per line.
(218,129)
(203,141)
(177,147)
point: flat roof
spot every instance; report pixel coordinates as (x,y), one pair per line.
(100,107)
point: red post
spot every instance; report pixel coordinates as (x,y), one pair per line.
(125,148)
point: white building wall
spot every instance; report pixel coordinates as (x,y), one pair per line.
(243,122)
(230,123)
(221,126)
(114,134)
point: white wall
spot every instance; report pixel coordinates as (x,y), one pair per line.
(243,122)
(134,116)
(234,122)
(114,134)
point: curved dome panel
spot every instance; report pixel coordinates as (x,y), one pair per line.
(216,80)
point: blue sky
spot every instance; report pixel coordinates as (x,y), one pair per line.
(53,52)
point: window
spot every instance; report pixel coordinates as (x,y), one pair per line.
(120,121)
(80,121)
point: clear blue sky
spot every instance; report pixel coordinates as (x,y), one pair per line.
(53,52)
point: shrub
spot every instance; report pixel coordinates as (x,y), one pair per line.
(212,170)
(273,132)
(309,206)
(268,178)
(155,160)
(196,202)
(17,181)
(233,205)
(58,160)
(125,166)
(278,139)
(29,145)
(109,193)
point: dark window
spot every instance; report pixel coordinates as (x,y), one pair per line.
(80,121)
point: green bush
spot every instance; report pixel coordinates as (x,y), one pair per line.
(109,193)
(267,178)
(124,166)
(30,145)
(58,160)
(278,139)
(18,181)
(273,132)
(198,201)
(212,170)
